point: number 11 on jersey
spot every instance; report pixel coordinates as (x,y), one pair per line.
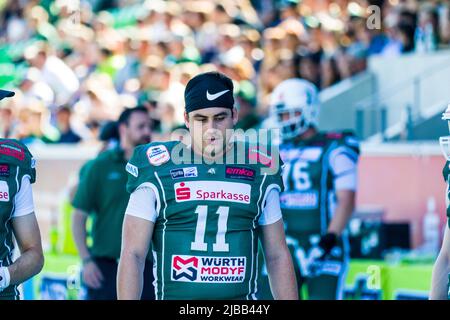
(220,245)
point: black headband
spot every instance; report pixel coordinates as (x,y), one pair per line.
(209,90)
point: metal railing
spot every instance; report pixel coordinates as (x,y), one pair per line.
(384,111)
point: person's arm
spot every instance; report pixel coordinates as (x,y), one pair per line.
(344,210)
(276,253)
(78,195)
(92,275)
(84,202)
(439,281)
(279,262)
(31,260)
(79,219)
(27,234)
(136,236)
(138,225)
(343,162)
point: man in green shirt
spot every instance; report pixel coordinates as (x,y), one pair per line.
(17,218)
(102,193)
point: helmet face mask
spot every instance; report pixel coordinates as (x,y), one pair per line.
(294,125)
(294,107)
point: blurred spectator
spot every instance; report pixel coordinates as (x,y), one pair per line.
(33,87)
(246,104)
(98,99)
(309,68)
(14,26)
(63,124)
(34,124)
(54,72)
(7,122)
(288,9)
(329,71)
(109,135)
(98,57)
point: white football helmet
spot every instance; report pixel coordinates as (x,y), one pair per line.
(299,99)
(445,141)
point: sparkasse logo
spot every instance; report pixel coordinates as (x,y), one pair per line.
(212,191)
(182,192)
(4,191)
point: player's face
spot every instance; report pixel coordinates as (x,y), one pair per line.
(293,124)
(208,128)
(285,116)
(139,130)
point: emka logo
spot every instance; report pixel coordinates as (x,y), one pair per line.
(239,173)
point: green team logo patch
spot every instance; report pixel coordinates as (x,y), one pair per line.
(208,269)
(212,191)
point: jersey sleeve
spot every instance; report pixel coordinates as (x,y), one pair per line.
(343,161)
(23,201)
(275,180)
(30,165)
(142,204)
(350,140)
(138,168)
(272,210)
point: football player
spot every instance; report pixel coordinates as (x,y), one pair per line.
(204,215)
(440,285)
(17,218)
(320,179)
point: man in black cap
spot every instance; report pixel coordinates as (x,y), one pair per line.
(17,218)
(204,206)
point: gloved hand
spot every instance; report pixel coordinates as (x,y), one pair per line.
(328,242)
(4,278)
(319,255)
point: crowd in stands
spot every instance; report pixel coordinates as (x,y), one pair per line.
(76,64)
